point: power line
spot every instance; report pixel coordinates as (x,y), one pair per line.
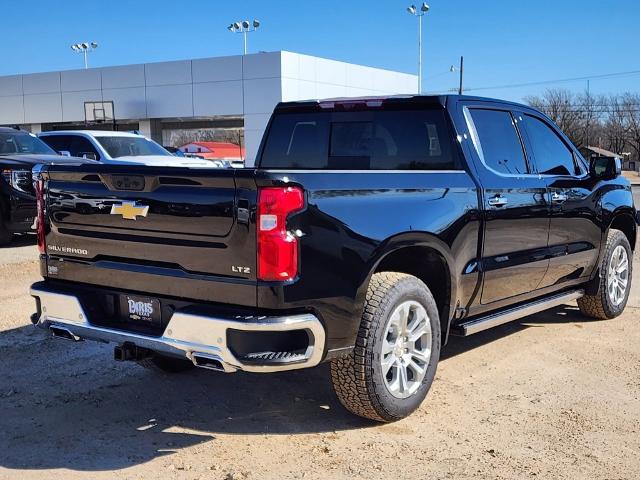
(561,80)
(436,75)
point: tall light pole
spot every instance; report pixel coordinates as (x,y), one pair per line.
(413,10)
(84,48)
(244,28)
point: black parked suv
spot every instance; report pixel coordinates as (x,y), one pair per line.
(369,231)
(19,152)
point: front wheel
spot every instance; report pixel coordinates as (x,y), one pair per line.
(615,279)
(392,366)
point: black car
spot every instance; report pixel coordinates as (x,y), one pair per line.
(369,232)
(19,152)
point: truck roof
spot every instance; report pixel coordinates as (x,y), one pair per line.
(377,101)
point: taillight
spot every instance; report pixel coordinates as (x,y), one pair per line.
(277,247)
(40,205)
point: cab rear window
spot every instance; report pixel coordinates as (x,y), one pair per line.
(371,140)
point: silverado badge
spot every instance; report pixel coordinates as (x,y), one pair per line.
(129,210)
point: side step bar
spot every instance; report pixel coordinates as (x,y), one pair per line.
(493,320)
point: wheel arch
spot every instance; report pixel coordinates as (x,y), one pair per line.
(426,257)
(624,219)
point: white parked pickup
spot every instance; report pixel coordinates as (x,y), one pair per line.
(117,148)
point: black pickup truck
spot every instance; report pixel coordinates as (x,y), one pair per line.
(369,231)
(19,152)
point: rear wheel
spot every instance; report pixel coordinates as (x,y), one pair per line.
(615,279)
(163,363)
(393,364)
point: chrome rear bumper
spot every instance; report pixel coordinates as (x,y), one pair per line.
(190,336)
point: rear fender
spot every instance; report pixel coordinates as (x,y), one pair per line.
(406,240)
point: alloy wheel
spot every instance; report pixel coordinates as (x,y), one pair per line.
(406,349)
(618,275)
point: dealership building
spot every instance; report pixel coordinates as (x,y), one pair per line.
(157,98)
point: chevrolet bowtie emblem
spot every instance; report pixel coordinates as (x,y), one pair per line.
(129,210)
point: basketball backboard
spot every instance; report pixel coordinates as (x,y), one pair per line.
(98,111)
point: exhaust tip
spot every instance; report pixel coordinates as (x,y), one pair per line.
(64,333)
(210,362)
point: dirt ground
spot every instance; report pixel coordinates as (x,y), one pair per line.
(552,396)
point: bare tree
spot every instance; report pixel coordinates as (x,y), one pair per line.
(591,113)
(616,125)
(561,106)
(631,104)
(611,122)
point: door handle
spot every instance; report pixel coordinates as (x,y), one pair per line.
(558,197)
(498,201)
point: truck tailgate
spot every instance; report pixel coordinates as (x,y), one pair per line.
(172,231)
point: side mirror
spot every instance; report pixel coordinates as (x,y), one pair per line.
(605,167)
(90,156)
(65,153)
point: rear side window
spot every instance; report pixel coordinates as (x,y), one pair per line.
(57,142)
(551,154)
(498,143)
(381,140)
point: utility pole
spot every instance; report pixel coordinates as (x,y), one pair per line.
(461,74)
(589,106)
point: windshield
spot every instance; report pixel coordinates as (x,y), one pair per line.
(23,144)
(118,147)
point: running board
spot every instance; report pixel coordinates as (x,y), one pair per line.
(493,320)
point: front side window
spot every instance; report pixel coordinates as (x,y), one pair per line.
(551,155)
(118,147)
(498,143)
(370,140)
(82,148)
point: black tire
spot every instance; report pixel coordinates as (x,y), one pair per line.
(5,235)
(358,378)
(163,363)
(600,305)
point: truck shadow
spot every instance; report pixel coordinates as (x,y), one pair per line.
(25,240)
(69,406)
(561,314)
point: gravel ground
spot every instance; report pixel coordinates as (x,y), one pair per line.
(636,195)
(552,396)
(21,250)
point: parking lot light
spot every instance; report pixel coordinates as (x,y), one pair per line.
(413,10)
(244,27)
(84,48)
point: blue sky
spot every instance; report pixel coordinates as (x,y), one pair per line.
(504,42)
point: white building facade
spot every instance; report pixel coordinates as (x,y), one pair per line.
(226,91)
